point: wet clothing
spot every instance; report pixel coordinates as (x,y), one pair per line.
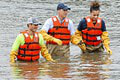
(28,46)
(59,50)
(98,48)
(91,35)
(30,50)
(83,25)
(65,30)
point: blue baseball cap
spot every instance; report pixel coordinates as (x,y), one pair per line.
(33,20)
(62,6)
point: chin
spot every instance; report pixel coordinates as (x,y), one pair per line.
(65,15)
(34,31)
(94,19)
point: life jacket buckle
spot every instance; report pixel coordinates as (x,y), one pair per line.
(57,27)
(23,55)
(89,29)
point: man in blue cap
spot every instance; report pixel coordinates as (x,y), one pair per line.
(57,31)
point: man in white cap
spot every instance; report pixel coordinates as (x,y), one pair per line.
(29,43)
(57,31)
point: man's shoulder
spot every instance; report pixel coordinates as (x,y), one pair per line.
(20,35)
(70,21)
(49,20)
(39,34)
(83,20)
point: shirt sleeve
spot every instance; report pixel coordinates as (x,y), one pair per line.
(71,27)
(82,25)
(47,25)
(41,40)
(19,41)
(103,26)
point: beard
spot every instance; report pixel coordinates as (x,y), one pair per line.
(34,30)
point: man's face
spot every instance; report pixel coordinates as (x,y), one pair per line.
(63,13)
(33,27)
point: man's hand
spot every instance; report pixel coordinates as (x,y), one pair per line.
(58,41)
(13,55)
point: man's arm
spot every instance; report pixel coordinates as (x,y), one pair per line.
(48,25)
(14,52)
(44,50)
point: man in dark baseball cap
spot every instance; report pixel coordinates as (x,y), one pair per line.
(57,31)
(63,6)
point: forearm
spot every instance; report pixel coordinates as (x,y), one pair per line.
(15,47)
(77,37)
(105,38)
(46,36)
(106,42)
(45,53)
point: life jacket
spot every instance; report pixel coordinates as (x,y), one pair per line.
(92,34)
(30,50)
(60,31)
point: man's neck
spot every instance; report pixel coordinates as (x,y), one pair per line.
(60,19)
(30,32)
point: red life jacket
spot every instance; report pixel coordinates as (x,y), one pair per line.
(60,31)
(30,50)
(92,34)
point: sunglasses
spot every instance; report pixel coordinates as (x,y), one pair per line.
(65,10)
(35,24)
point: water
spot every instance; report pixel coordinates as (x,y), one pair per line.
(14,14)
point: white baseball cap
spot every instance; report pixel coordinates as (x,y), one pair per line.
(33,20)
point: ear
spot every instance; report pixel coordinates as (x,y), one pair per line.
(27,25)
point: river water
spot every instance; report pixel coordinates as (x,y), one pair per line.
(14,14)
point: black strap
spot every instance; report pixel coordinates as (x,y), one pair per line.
(23,50)
(28,49)
(60,27)
(23,55)
(89,34)
(64,39)
(90,28)
(91,40)
(28,43)
(56,33)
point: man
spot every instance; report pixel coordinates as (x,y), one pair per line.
(57,31)
(91,34)
(29,43)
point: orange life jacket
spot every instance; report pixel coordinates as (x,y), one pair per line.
(92,34)
(60,31)
(30,50)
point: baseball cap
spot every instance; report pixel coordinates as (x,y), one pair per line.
(33,20)
(62,6)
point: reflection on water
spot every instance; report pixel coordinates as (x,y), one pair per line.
(91,66)
(36,70)
(13,17)
(28,70)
